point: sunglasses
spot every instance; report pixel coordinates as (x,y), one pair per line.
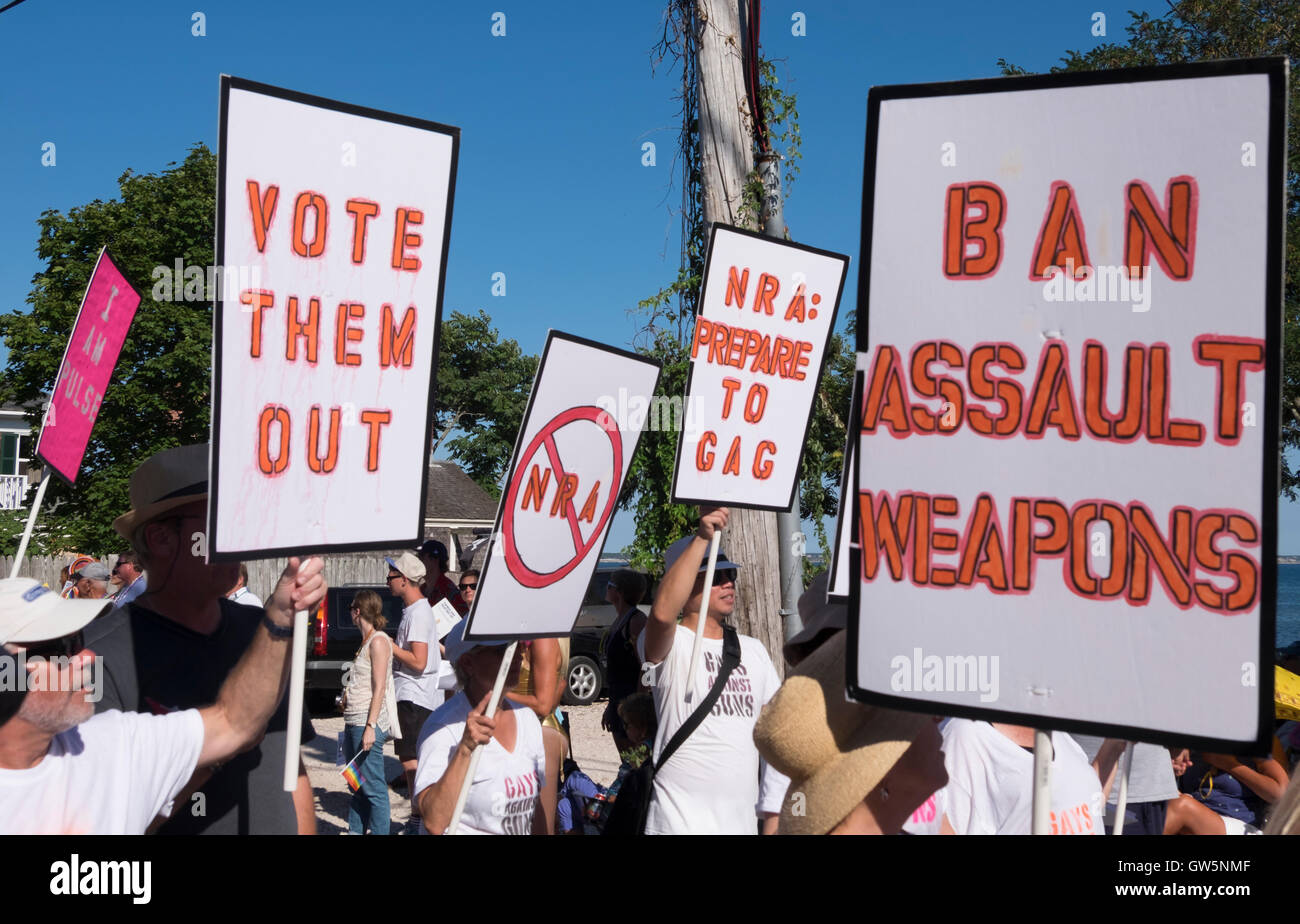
(391,577)
(724,576)
(469,586)
(66,646)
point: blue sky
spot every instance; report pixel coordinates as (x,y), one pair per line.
(551,189)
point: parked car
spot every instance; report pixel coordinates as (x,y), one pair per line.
(334,641)
(587,667)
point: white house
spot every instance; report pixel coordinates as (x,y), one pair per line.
(458,513)
(15,456)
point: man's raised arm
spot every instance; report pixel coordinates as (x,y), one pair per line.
(254,687)
(677,585)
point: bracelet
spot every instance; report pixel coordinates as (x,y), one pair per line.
(276,631)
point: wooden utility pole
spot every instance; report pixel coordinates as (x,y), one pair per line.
(726,159)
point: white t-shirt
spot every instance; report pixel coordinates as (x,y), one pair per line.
(771,790)
(990,783)
(418,625)
(245,597)
(112,774)
(928,817)
(507,784)
(710,784)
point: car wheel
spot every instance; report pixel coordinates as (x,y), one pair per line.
(585,682)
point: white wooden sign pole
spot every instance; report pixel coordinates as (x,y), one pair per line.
(1122,803)
(293,724)
(698,647)
(31,522)
(1042,782)
(497,688)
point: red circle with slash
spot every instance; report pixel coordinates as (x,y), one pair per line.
(546,438)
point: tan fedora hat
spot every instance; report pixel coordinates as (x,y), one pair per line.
(166,480)
(833,750)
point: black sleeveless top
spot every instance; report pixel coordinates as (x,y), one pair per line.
(623,667)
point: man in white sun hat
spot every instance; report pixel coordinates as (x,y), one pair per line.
(64,770)
(173,647)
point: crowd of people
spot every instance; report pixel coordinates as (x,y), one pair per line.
(150,697)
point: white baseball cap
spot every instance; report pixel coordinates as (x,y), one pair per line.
(31,612)
(455,644)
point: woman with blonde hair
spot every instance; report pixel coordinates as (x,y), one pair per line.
(370,714)
(541,685)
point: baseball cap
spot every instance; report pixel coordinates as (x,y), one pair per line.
(433,549)
(31,612)
(817,614)
(455,644)
(408,566)
(95,571)
(677,548)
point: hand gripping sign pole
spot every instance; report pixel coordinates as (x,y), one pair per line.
(698,647)
(497,687)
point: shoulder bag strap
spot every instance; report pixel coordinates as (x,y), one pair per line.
(730,658)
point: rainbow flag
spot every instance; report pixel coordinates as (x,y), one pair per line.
(352,772)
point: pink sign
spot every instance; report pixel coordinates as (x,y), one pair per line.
(97,337)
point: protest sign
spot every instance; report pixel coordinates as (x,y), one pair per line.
(105,316)
(1070,301)
(334,220)
(583,422)
(840,578)
(766,312)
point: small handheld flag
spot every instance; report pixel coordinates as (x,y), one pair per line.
(352,772)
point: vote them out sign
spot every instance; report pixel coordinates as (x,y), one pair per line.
(323,382)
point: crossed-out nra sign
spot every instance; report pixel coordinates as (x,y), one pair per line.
(574,449)
(551,504)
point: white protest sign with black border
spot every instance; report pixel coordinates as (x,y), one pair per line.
(333,223)
(766,313)
(581,428)
(1070,310)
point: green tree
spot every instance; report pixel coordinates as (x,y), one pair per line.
(1206,30)
(483,386)
(159,396)
(159,393)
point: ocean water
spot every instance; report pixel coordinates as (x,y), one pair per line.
(1288,604)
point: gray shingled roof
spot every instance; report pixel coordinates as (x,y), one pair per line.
(453,495)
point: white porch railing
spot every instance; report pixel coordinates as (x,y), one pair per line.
(13,488)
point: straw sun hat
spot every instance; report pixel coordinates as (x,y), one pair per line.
(166,480)
(833,750)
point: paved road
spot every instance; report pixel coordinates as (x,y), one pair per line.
(593,749)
